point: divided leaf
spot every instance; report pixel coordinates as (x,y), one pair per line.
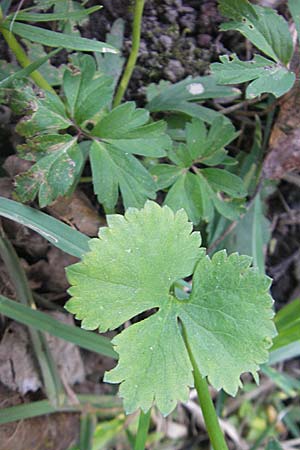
(269,32)
(131,269)
(202,191)
(112,170)
(266,75)
(126,128)
(180,97)
(115,135)
(54,173)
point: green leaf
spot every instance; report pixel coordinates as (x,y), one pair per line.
(165,175)
(23,73)
(131,269)
(294,7)
(111,64)
(48,114)
(113,169)
(288,323)
(45,323)
(51,73)
(54,174)
(57,233)
(35,17)
(273,445)
(179,97)
(126,128)
(251,235)
(41,407)
(262,26)
(268,76)
(227,319)
(120,265)
(86,90)
(186,193)
(223,181)
(54,39)
(202,191)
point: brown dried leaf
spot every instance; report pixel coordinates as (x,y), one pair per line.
(18,369)
(284,148)
(51,432)
(77,211)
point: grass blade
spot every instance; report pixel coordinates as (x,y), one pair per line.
(41,321)
(23,73)
(284,353)
(106,405)
(57,233)
(54,39)
(35,17)
(51,378)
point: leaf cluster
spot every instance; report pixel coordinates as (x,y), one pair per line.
(61,133)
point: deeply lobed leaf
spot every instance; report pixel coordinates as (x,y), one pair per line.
(116,136)
(202,191)
(262,26)
(266,75)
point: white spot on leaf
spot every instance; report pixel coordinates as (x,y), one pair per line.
(195,88)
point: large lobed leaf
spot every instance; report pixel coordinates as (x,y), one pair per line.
(131,269)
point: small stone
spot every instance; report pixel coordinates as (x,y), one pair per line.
(174,70)
(204,40)
(166,41)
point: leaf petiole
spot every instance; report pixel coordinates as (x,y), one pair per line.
(136,38)
(209,413)
(142,433)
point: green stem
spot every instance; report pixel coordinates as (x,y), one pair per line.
(52,382)
(142,433)
(22,58)
(136,38)
(209,414)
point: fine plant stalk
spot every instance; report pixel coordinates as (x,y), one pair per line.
(142,433)
(52,382)
(136,38)
(22,58)
(214,431)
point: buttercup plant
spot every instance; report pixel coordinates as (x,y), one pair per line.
(222,327)
(220,331)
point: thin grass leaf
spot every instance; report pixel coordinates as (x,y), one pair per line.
(54,39)
(51,378)
(284,353)
(107,406)
(35,17)
(23,73)
(57,233)
(42,322)
(294,7)
(87,429)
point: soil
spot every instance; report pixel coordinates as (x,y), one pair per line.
(179,38)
